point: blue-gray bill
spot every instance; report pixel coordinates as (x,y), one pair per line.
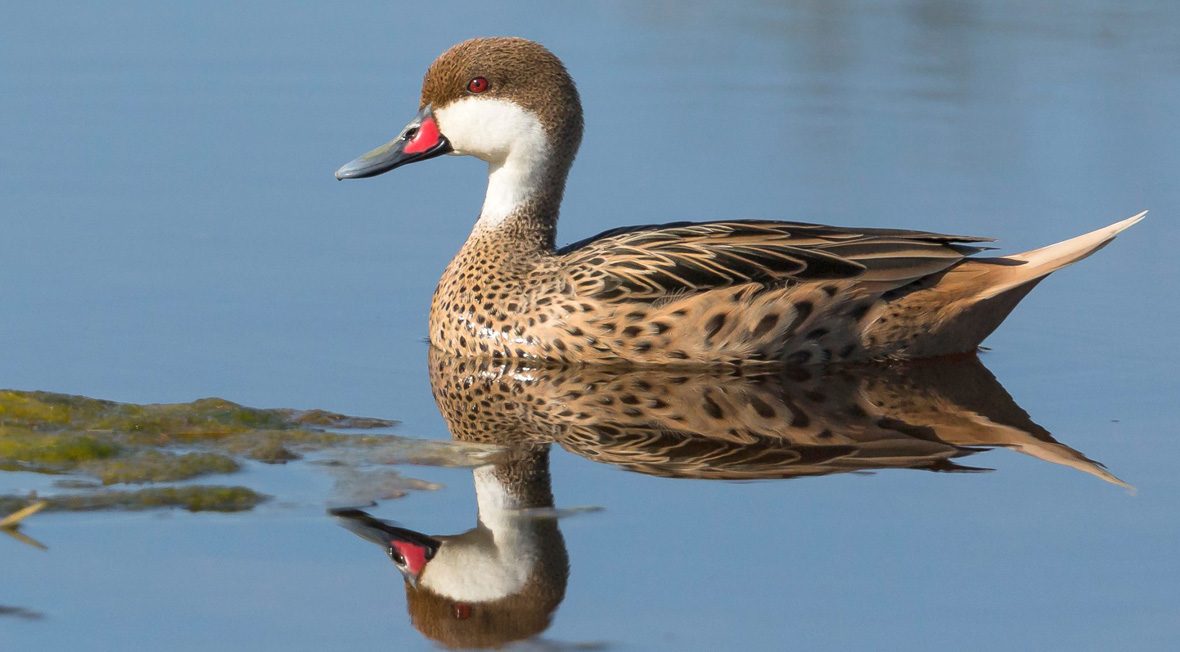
(420,140)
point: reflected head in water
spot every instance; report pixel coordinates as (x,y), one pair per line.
(498,582)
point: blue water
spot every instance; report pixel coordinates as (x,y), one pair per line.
(172,230)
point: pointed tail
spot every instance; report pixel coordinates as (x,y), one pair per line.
(970,300)
(1038,263)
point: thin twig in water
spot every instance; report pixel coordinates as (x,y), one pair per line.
(12,521)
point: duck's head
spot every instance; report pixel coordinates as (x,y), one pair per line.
(507,101)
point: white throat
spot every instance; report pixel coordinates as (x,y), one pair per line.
(513,142)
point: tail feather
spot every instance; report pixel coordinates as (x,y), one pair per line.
(957,310)
(1038,263)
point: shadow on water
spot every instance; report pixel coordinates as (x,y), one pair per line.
(503,580)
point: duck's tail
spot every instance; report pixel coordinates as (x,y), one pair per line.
(1016,270)
(964,305)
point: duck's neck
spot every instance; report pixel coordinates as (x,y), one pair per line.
(519,482)
(509,546)
(522,201)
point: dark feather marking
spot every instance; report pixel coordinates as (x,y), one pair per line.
(715,323)
(713,409)
(765,324)
(802,312)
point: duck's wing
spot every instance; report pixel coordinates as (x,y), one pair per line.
(650,262)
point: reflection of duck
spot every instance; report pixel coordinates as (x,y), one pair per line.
(495,583)
(502,580)
(734,291)
(744,424)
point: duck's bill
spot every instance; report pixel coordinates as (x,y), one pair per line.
(420,140)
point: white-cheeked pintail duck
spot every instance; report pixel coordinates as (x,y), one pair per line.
(737,291)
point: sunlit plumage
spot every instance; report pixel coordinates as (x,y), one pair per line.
(733,292)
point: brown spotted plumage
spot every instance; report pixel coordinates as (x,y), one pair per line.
(717,292)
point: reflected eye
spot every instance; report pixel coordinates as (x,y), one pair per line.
(478,85)
(396,556)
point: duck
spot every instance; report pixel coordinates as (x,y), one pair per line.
(728,292)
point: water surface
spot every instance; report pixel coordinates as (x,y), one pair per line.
(172,231)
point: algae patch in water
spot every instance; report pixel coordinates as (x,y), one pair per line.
(50,453)
(123,443)
(194,498)
(158,466)
(202,420)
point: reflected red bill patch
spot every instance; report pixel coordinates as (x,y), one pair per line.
(415,555)
(426,138)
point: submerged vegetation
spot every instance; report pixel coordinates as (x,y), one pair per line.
(194,498)
(95,444)
(158,466)
(203,420)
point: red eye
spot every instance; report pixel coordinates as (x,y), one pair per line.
(478,85)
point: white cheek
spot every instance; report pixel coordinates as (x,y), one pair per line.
(512,141)
(490,129)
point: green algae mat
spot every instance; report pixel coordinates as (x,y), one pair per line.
(122,456)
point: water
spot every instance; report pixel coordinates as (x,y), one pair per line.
(172,230)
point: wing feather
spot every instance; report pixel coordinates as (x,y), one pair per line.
(651,262)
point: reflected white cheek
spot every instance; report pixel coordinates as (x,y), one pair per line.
(494,563)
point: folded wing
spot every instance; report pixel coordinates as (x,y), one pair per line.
(647,263)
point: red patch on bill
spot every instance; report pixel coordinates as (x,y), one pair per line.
(426,138)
